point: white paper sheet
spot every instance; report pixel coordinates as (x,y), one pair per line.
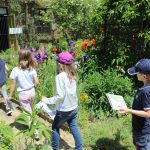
(116,101)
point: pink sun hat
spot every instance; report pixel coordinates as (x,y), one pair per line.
(65,58)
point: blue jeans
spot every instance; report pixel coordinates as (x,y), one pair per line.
(59,120)
(5,96)
(141,141)
(4,92)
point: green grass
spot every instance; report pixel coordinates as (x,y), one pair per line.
(106,134)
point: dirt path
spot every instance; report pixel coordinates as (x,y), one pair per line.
(66,142)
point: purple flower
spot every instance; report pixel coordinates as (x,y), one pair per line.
(45,57)
(72,52)
(71,43)
(37,56)
(85,57)
(39,61)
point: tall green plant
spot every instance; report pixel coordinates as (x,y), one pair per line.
(46,73)
(32,124)
(87,67)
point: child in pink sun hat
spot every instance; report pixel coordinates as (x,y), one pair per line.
(65,58)
(66,100)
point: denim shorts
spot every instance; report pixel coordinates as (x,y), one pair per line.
(142,141)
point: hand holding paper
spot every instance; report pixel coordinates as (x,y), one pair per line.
(122,111)
(116,101)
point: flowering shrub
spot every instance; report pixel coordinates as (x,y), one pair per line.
(84,96)
(41,55)
(79,49)
(55,50)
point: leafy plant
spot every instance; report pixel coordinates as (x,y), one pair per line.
(87,67)
(32,124)
(6,136)
(96,86)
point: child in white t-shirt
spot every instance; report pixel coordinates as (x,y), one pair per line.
(25,77)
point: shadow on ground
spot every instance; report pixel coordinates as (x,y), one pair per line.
(18,126)
(64,145)
(3,106)
(109,144)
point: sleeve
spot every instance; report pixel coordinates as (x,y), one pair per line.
(59,91)
(146,100)
(13,74)
(34,73)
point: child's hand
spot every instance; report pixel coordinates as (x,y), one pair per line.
(43,98)
(122,111)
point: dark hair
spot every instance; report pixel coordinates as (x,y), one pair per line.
(26,59)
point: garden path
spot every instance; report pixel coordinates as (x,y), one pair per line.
(66,141)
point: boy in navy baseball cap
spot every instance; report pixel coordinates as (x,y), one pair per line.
(142,66)
(141,106)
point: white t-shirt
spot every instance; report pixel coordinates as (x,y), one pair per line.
(65,93)
(24,78)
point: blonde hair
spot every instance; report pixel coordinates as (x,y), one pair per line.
(69,69)
(26,59)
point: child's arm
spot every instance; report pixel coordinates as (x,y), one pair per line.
(12,88)
(36,81)
(140,113)
(47,100)
(35,77)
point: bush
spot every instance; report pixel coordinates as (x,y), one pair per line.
(96,86)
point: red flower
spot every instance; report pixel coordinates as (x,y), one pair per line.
(85,41)
(84,44)
(93,42)
(55,49)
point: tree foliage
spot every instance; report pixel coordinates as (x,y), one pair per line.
(121,27)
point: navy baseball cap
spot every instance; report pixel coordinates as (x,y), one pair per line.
(142,66)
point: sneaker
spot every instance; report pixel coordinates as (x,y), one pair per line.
(8,111)
(9,105)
